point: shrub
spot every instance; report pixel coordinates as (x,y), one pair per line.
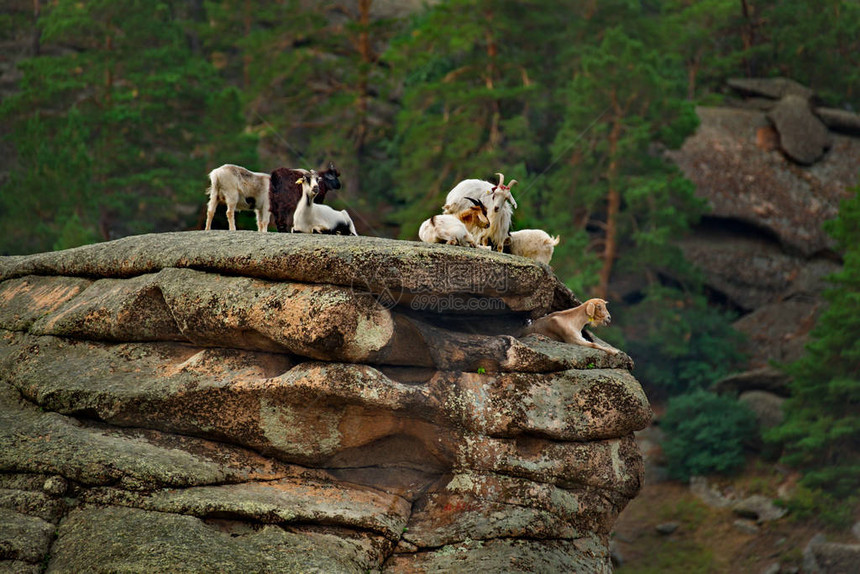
(821,431)
(815,504)
(705,433)
(680,343)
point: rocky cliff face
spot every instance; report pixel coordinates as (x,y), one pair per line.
(773,167)
(238,402)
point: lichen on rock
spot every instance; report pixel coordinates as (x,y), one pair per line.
(263,402)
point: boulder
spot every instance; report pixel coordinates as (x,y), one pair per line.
(773,88)
(759,508)
(840,120)
(760,193)
(236,402)
(803,137)
(778,331)
(768,378)
(766,406)
(822,557)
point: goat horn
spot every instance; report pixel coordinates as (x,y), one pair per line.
(512,183)
(473,200)
(501,179)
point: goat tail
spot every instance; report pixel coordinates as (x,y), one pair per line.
(214,189)
(553,240)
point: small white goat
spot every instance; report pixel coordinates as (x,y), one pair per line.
(454,229)
(535,244)
(500,204)
(240,189)
(311,217)
(567,325)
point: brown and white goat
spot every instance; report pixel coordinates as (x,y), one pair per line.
(498,200)
(238,188)
(567,325)
(454,229)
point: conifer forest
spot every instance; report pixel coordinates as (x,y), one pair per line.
(114,112)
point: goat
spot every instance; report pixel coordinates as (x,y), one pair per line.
(454,229)
(567,325)
(240,189)
(311,217)
(285,193)
(535,244)
(499,202)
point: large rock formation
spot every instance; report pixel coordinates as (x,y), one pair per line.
(246,402)
(773,168)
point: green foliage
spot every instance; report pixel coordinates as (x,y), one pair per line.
(48,195)
(815,43)
(464,103)
(660,554)
(685,344)
(110,135)
(668,556)
(821,506)
(821,430)
(705,434)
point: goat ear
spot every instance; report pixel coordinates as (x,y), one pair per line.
(589,309)
(300,181)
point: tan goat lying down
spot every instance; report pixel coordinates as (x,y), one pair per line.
(567,325)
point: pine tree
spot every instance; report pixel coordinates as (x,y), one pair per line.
(821,431)
(315,86)
(628,206)
(142,115)
(611,183)
(465,105)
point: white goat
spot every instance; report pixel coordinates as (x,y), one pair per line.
(311,217)
(535,244)
(454,229)
(500,204)
(240,189)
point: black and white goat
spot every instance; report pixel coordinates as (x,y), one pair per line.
(238,188)
(285,193)
(311,217)
(498,200)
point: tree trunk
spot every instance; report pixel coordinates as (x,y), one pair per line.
(364,51)
(37,33)
(495,136)
(747,36)
(246,58)
(197,14)
(692,74)
(366,58)
(613,206)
